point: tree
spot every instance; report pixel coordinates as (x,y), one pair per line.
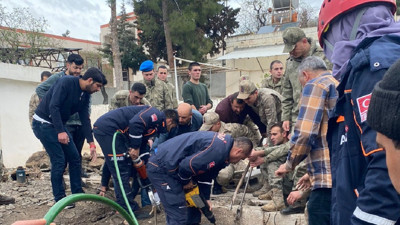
(254,15)
(66,34)
(132,55)
(21,35)
(189,25)
(115,45)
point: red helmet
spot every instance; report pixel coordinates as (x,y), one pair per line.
(330,9)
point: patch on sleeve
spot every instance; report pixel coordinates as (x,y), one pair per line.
(363,103)
(153,117)
(211,165)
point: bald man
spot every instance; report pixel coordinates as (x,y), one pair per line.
(189,120)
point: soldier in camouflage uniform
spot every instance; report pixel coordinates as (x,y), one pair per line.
(299,46)
(211,122)
(157,91)
(162,75)
(274,81)
(34,101)
(135,96)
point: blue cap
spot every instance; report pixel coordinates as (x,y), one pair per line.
(147,66)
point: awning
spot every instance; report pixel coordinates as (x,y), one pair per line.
(262,51)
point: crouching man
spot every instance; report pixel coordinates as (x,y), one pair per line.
(188,158)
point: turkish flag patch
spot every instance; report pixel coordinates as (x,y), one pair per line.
(363,103)
(211,165)
(153,118)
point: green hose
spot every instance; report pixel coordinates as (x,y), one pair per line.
(60,205)
(119,178)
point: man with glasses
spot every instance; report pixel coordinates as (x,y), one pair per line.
(196,93)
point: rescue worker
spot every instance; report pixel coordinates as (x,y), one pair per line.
(137,124)
(361,39)
(299,46)
(274,81)
(156,90)
(162,75)
(135,96)
(187,159)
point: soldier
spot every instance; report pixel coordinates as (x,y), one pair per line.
(274,81)
(135,96)
(157,91)
(34,102)
(299,46)
(162,75)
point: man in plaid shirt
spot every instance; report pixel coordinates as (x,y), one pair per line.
(309,139)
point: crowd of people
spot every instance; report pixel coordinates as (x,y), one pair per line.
(324,129)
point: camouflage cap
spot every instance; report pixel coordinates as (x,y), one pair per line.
(246,87)
(209,119)
(291,36)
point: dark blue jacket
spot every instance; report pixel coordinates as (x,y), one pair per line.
(362,192)
(63,99)
(202,153)
(140,121)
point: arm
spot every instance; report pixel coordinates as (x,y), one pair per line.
(43,87)
(168,101)
(33,103)
(256,119)
(287,102)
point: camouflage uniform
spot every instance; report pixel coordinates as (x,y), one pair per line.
(121,99)
(291,87)
(33,104)
(269,83)
(157,94)
(172,93)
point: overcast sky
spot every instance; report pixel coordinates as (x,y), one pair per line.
(81,17)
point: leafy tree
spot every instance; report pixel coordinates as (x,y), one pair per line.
(193,26)
(132,55)
(21,35)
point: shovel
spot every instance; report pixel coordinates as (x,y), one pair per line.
(238,186)
(239,209)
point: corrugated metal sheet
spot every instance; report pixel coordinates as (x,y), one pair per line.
(262,51)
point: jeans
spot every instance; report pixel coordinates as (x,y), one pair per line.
(59,154)
(319,206)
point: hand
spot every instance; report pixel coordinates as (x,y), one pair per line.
(188,186)
(102,190)
(281,170)
(286,125)
(304,183)
(150,143)
(257,162)
(209,204)
(63,138)
(93,153)
(203,109)
(253,155)
(134,153)
(293,197)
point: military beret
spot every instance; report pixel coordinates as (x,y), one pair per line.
(146,66)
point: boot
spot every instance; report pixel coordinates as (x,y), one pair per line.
(277,202)
(263,190)
(5,200)
(266,196)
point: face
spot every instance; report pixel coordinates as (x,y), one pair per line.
(44,78)
(236,154)
(236,107)
(302,79)
(301,48)
(170,124)
(184,117)
(392,159)
(148,76)
(195,73)
(277,71)
(135,98)
(251,99)
(93,87)
(73,69)
(162,74)
(277,137)
(215,127)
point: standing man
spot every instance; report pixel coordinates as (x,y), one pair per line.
(309,139)
(274,81)
(137,124)
(162,75)
(135,96)
(74,124)
(361,39)
(299,46)
(34,101)
(68,96)
(196,93)
(181,161)
(157,91)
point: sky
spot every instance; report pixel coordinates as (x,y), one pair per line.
(82,17)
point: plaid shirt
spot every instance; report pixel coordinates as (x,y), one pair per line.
(309,139)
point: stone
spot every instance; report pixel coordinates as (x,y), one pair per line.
(38,159)
(97,164)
